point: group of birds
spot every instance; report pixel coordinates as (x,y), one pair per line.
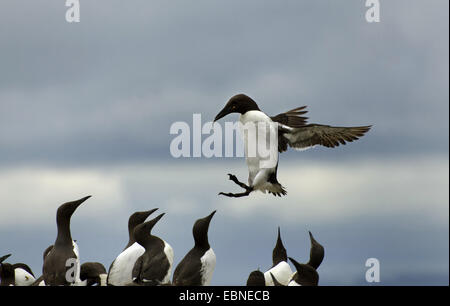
(281,274)
(147,260)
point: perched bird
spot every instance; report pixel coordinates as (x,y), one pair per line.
(256,279)
(197,267)
(290,129)
(93,273)
(316,254)
(120,271)
(305,275)
(154,267)
(280,267)
(57,261)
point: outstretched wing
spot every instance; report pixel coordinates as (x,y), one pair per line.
(315,134)
(292,118)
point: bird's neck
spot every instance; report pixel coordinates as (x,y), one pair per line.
(64,235)
(202,243)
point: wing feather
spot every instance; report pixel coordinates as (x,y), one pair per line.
(293,118)
(316,134)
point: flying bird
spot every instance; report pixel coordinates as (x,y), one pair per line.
(291,130)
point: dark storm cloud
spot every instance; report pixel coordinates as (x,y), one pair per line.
(97,91)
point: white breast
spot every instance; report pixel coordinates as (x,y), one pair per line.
(77,254)
(260,142)
(169,254)
(282,273)
(208,261)
(293,283)
(122,269)
(22,277)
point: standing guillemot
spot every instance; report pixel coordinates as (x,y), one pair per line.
(93,273)
(292,131)
(280,267)
(306,274)
(256,279)
(64,249)
(120,271)
(316,253)
(197,267)
(154,267)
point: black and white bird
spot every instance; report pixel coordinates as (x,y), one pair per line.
(154,267)
(93,274)
(290,129)
(18,274)
(280,267)
(121,269)
(306,274)
(64,254)
(197,267)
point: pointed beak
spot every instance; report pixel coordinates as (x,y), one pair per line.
(154,221)
(80,201)
(4,257)
(297,265)
(151,211)
(211,215)
(225,111)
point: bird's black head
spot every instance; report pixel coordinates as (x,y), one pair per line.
(200,231)
(237,104)
(138,218)
(279,253)
(256,278)
(316,254)
(66,210)
(142,231)
(306,275)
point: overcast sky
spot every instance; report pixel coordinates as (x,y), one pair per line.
(86,108)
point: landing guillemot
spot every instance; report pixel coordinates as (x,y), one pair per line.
(292,131)
(120,271)
(280,267)
(64,249)
(197,267)
(154,267)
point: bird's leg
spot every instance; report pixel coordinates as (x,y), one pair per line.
(248,189)
(236,181)
(236,195)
